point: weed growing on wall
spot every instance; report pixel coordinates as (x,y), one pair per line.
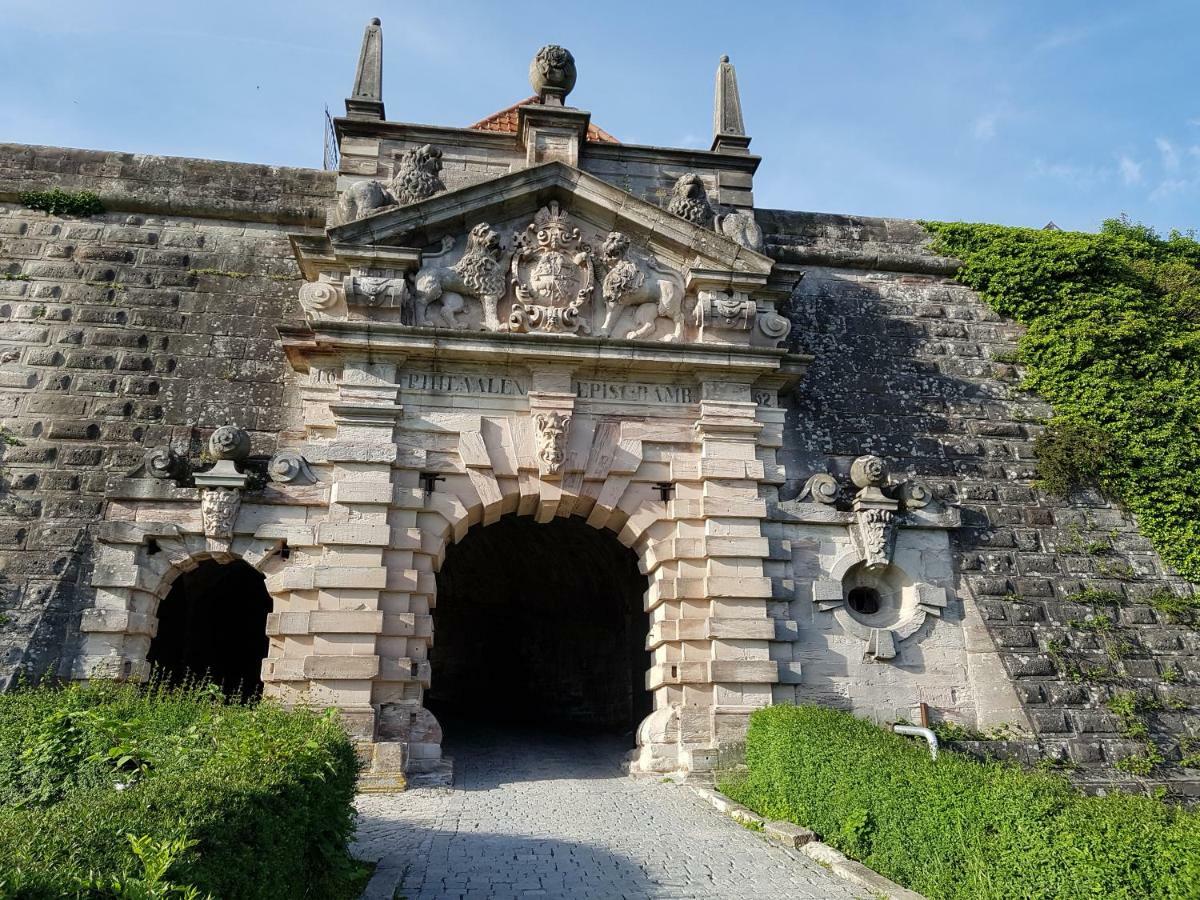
(1113,341)
(58,202)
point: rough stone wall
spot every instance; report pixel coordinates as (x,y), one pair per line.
(153,322)
(913,367)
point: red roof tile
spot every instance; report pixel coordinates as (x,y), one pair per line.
(505,122)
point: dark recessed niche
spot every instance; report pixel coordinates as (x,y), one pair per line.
(864,600)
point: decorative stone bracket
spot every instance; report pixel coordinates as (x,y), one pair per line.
(222,484)
(877,511)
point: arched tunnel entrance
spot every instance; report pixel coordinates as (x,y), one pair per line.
(540,626)
(212,626)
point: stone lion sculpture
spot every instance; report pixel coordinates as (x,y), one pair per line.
(641,283)
(417,177)
(689,200)
(479,274)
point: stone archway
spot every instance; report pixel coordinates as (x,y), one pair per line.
(212,627)
(540,625)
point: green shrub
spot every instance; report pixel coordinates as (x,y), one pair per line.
(956,828)
(58,202)
(106,789)
(1113,342)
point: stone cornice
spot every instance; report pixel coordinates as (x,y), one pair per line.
(599,150)
(386,340)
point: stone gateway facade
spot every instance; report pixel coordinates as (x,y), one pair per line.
(798,428)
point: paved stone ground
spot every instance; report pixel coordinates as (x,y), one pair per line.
(549,816)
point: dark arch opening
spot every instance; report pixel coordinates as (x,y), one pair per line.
(212,627)
(540,625)
(864,600)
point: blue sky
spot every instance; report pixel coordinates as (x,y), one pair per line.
(1005,112)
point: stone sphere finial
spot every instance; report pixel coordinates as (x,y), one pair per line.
(552,74)
(229,442)
(375,21)
(868,471)
(724,57)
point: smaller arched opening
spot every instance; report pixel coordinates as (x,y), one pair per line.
(212,627)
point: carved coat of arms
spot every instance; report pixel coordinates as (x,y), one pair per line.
(552,274)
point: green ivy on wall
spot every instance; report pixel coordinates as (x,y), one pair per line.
(1113,342)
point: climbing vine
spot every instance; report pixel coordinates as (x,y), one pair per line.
(1113,342)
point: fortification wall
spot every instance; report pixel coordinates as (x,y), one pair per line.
(916,368)
(149,324)
(154,322)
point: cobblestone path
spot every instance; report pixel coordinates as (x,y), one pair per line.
(546,816)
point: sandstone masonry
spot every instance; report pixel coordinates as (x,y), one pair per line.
(802,426)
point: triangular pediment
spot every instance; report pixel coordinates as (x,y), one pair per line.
(588,199)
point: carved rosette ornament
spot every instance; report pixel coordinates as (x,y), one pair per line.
(553,275)
(553,430)
(229,444)
(322,299)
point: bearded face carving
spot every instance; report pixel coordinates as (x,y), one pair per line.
(552,432)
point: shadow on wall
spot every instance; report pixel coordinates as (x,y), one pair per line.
(905,367)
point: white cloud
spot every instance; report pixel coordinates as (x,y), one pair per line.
(1077,34)
(1170,187)
(1070,173)
(1064,37)
(1131,171)
(985,127)
(1170,156)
